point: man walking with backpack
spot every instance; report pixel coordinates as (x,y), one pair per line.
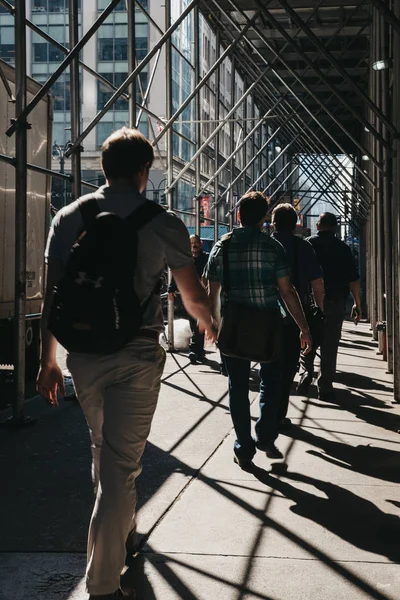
(106,253)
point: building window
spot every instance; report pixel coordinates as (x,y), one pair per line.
(52,6)
(104,93)
(102,4)
(46,52)
(113,42)
(7,48)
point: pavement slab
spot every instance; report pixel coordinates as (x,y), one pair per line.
(321,524)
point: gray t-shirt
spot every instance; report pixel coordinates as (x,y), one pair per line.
(164,241)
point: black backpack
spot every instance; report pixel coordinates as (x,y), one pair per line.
(95,308)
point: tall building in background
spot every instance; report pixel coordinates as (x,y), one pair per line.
(107,53)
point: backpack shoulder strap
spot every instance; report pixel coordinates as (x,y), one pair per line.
(226,242)
(89,209)
(144,214)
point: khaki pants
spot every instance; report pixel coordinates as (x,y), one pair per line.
(118,394)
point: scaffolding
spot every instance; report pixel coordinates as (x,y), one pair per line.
(321,79)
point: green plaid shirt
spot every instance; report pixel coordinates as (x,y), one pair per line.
(256,262)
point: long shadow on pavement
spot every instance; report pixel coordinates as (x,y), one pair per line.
(369,460)
(351,517)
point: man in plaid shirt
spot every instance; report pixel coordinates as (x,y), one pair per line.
(258,272)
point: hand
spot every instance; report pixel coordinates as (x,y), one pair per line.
(305,341)
(209,328)
(50,380)
(171,296)
(356,313)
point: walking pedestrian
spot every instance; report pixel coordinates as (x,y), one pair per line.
(257,270)
(340,278)
(118,390)
(306,276)
(196,346)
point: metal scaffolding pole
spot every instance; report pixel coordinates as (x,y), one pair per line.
(256,51)
(170,156)
(233,148)
(75,100)
(324,178)
(336,64)
(383,100)
(294,74)
(131,18)
(207,76)
(338,172)
(250,163)
(315,145)
(18,418)
(197,112)
(61,68)
(216,139)
(167,35)
(395,211)
(57,44)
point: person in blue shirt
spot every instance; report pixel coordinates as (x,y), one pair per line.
(306,276)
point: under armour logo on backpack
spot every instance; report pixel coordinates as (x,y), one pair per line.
(97,283)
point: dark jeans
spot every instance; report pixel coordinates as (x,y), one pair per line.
(291,354)
(197,341)
(239,405)
(334,315)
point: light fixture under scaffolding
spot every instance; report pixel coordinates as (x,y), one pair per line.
(380,65)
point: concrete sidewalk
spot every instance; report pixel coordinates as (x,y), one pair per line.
(322,524)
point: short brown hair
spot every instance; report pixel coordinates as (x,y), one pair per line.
(252,208)
(284,217)
(124,153)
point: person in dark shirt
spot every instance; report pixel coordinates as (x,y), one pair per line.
(306,276)
(196,346)
(340,277)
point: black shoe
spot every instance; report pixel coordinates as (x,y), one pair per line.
(245,465)
(128,595)
(270,450)
(133,546)
(327,395)
(304,384)
(193,358)
(285,424)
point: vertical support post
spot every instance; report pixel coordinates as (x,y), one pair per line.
(244,148)
(216,139)
(386,193)
(130,6)
(395,210)
(233,144)
(75,99)
(170,157)
(21,185)
(197,112)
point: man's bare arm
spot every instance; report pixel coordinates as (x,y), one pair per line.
(214,290)
(50,378)
(356,313)
(318,289)
(293,304)
(195,298)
